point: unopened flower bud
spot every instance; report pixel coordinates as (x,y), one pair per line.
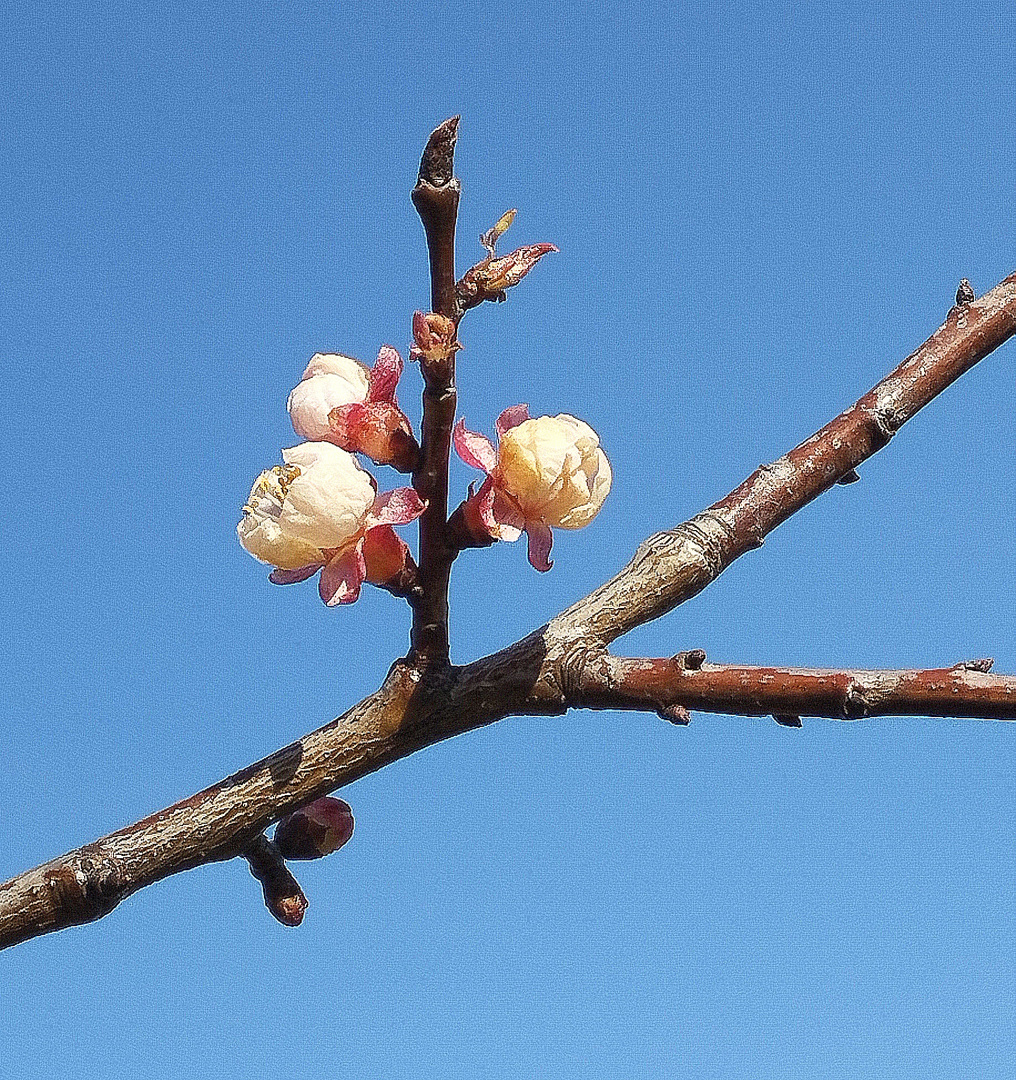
(315,830)
(434,336)
(375,425)
(329,381)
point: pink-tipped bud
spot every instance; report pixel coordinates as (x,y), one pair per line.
(489,279)
(434,335)
(315,830)
(380,430)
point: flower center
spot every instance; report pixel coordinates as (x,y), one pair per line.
(269,492)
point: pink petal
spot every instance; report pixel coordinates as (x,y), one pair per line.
(510,519)
(511,417)
(291,577)
(398,507)
(385,375)
(474,449)
(342,577)
(540,541)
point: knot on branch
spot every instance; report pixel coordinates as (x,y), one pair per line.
(86,889)
(708,533)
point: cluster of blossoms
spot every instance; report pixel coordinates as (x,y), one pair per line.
(321,511)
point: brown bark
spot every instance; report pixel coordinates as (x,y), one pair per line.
(562,664)
(966,689)
(436,198)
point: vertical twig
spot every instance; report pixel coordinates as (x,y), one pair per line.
(436,198)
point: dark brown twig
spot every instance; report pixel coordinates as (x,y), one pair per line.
(283,896)
(436,198)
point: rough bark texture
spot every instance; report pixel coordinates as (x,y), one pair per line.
(560,665)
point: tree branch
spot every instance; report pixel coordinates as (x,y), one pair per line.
(966,689)
(436,198)
(540,674)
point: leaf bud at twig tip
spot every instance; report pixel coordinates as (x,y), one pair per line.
(787,720)
(849,477)
(692,660)
(437,164)
(983,665)
(315,830)
(965,293)
(675,714)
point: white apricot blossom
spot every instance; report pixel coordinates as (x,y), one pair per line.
(330,381)
(547,472)
(341,402)
(321,511)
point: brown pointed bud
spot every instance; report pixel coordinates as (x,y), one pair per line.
(434,336)
(490,238)
(489,280)
(315,830)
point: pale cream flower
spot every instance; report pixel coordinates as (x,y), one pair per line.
(555,469)
(547,472)
(329,382)
(321,511)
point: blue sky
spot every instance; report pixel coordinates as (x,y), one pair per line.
(760,210)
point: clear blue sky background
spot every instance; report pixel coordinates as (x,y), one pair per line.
(760,210)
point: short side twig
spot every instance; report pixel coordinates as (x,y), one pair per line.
(283,896)
(966,690)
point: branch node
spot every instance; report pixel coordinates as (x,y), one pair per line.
(855,703)
(787,720)
(675,714)
(983,665)
(692,660)
(850,477)
(965,293)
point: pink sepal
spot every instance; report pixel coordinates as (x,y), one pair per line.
(511,417)
(497,512)
(474,449)
(398,507)
(385,554)
(342,577)
(540,540)
(384,376)
(291,577)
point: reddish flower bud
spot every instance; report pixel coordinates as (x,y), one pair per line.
(489,279)
(315,830)
(377,426)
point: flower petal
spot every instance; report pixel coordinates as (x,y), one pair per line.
(342,577)
(398,507)
(384,554)
(511,417)
(540,541)
(291,577)
(474,449)
(385,375)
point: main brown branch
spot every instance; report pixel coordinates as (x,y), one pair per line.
(561,665)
